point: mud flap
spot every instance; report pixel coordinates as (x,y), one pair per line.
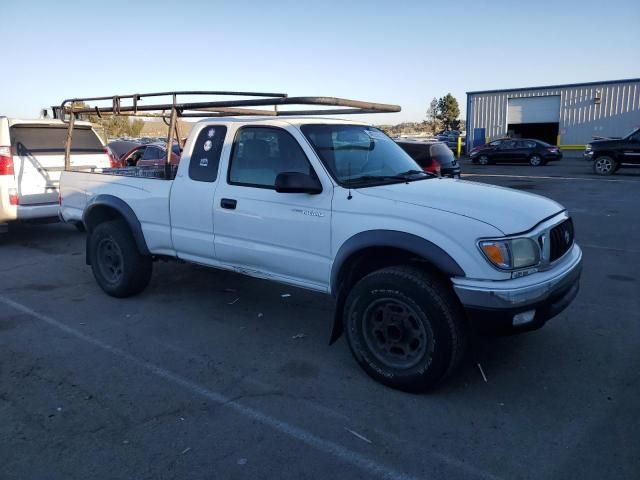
(338,324)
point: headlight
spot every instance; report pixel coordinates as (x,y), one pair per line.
(587,147)
(511,254)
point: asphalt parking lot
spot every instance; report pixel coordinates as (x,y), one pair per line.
(209,374)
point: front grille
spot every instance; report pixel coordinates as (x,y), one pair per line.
(561,239)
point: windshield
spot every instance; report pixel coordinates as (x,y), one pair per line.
(358,155)
(633,133)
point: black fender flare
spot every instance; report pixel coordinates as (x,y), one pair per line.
(414,244)
(124,210)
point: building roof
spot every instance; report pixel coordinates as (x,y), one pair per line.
(545,87)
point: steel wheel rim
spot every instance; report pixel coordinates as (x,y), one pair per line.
(604,165)
(535,160)
(110,260)
(394,333)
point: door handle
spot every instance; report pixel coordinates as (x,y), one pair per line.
(229,203)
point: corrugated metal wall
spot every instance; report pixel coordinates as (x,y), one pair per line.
(580,117)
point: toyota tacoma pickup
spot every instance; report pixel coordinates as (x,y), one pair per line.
(414,262)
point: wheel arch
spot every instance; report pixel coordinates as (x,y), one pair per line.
(605,153)
(368,251)
(103,208)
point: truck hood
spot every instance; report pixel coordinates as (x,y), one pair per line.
(606,142)
(508,210)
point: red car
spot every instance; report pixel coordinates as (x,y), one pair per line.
(150,155)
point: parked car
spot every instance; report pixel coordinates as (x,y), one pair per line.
(413,261)
(523,150)
(31,159)
(610,155)
(433,157)
(148,155)
(493,143)
(121,147)
(450,138)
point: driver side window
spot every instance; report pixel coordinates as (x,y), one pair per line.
(261,153)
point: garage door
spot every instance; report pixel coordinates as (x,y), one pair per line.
(534,109)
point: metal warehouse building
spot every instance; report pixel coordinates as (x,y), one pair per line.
(565,115)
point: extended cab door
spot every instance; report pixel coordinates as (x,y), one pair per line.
(191,199)
(258,230)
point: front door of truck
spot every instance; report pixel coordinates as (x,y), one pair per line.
(631,149)
(262,232)
(192,193)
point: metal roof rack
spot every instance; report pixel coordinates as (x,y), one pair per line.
(130,105)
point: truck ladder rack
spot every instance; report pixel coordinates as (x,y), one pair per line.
(129,105)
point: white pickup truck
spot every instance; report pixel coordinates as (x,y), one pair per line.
(413,261)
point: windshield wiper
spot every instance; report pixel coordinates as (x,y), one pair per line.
(402,177)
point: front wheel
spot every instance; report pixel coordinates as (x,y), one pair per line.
(604,165)
(118,266)
(404,327)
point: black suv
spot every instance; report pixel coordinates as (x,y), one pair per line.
(433,157)
(611,154)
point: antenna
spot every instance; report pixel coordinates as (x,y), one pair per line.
(349,196)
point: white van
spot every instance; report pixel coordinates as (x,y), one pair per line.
(31,160)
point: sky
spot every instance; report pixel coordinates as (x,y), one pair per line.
(398,52)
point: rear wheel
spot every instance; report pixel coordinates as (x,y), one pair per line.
(483,160)
(536,160)
(118,266)
(604,165)
(404,327)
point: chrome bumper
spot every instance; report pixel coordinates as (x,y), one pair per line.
(514,294)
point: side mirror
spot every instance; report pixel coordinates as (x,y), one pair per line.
(296,182)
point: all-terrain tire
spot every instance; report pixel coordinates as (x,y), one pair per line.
(405,327)
(118,267)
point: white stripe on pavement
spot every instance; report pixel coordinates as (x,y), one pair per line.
(349,456)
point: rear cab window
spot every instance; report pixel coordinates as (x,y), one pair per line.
(205,157)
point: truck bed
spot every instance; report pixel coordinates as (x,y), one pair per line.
(139,187)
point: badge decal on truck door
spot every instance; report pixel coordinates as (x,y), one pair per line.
(311,213)
(204,162)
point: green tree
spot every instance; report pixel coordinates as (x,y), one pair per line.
(448,112)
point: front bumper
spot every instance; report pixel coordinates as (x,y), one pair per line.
(492,306)
(453,172)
